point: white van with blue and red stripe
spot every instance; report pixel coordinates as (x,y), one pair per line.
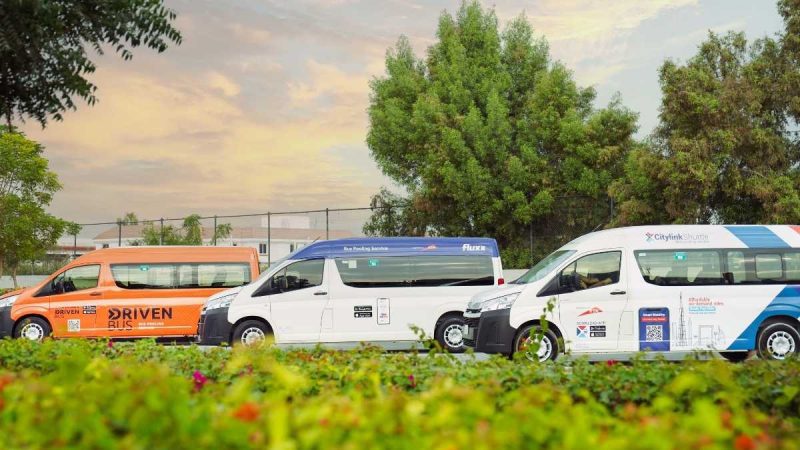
(666,288)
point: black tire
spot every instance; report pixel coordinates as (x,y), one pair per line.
(735,357)
(449,335)
(250,332)
(778,341)
(32,328)
(550,347)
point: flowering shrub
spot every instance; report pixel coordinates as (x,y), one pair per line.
(77,393)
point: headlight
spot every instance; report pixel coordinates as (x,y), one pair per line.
(219,302)
(503,302)
(8,301)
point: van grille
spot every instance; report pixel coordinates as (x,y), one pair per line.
(473,324)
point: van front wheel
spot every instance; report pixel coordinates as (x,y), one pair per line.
(549,347)
(449,335)
(33,329)
(250,332)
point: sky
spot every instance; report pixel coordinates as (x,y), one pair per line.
(263,105)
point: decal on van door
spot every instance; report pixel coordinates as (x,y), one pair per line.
(362,312)
(383,311)
(654,329)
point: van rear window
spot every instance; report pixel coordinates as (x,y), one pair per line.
(180,275)
(416,271)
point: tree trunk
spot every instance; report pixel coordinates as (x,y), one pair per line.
(14,277)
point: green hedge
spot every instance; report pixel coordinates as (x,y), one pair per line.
(92,394)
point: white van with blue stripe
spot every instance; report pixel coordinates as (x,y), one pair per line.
(667,288)
(344,292)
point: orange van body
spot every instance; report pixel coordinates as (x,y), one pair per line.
(139,291)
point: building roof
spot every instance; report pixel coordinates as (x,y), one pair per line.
(251,233)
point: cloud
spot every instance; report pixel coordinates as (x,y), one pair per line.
(222,83)
(160,146)
(249,34)
(591,36)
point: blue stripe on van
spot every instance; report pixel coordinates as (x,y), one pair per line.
(399,246)
(786,303)
(757,236)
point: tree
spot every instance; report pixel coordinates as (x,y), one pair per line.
(726,148)
(190,232)
(489,137)
(26,188)
(43,49)
(128,219)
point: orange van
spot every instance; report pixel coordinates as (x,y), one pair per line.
(127,292)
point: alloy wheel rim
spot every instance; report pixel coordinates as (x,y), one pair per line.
(32,331)
(252,336)
(453,336)
(544,352)
(780,345)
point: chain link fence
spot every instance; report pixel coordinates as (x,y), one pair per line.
(276,234)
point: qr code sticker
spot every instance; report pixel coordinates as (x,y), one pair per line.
(73,325)
(654,333)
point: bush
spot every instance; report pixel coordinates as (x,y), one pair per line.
(94,394)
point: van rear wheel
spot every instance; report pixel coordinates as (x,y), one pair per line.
(778,341)
(250,332)
(449,334)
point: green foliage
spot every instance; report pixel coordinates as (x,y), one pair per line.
(726,149)
(43,49)
(190,233)
(489,137)
(139,395)
(26,188)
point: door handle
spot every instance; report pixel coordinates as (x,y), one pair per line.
(320,293)
(618,292)
(95,294)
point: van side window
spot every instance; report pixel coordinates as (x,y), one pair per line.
(681,267)
(592,271)
(180,275)
(74,279)
(769,267)
(295,276)
(416,271)
(764,266)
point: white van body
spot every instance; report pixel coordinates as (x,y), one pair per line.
(348,291)
(667,288)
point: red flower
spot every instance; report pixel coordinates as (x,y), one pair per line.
(611,362)
(744,442)
(247,412)
(199,380)
(412,381)
(110,343)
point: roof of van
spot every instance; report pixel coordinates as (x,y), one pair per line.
(399,246)
(692,236)
(168,253)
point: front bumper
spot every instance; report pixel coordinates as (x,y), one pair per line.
(490,332)
(6,324)
(214,328)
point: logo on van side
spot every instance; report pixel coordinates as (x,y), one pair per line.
(473,248)
(593,310)
(683,238)
(139,313)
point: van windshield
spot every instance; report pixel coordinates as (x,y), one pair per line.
(544,267)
